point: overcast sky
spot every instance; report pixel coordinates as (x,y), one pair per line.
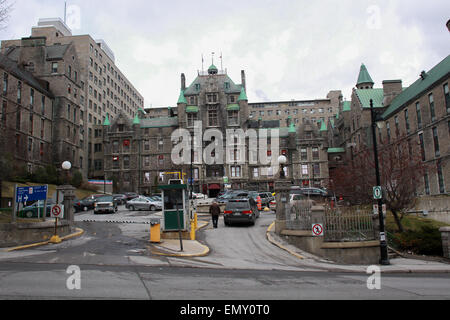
(292,49)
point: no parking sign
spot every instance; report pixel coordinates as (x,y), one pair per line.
(317,230)
(57,211)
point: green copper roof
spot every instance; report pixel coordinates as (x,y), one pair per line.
(182,99)
(419,87)
(364,76)
(136,119)
(292,127)
(106,123)
(346,106)
(243,95)
(336,150)
(323,126)
(364,96)
(233,107)
(213,67)
(192,109)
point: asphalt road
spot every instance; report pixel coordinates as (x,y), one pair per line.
(115,263)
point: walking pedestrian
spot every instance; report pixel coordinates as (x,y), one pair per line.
(214,210)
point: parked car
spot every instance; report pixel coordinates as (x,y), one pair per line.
(120,198)
(32,210)
(240,210)
(105,204)
(87,203)
(144,203)
(301,201)
(131,195)
(196,195)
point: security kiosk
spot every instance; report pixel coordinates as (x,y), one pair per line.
(175,207)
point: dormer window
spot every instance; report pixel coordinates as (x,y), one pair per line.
(121,127)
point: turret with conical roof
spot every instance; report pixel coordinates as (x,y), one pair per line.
(182,98)
(243,95)
(106,122)
(364,79)
(213,69)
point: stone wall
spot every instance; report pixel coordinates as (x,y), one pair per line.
(445,235)
(27,233)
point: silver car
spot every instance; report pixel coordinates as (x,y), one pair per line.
(143,203)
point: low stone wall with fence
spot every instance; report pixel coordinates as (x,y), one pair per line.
(348,235)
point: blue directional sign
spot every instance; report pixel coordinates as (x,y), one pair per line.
(25,194)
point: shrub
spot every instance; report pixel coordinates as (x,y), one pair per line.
(77,179)
(427,241)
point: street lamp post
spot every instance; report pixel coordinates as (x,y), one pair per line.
(384,258)
(282,160)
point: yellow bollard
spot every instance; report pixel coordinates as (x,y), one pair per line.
(195,221)
(155,233)
(192,230)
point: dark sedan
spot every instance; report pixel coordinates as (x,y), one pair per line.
(86,203)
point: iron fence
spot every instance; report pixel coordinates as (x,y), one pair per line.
(298,217)
(349,224)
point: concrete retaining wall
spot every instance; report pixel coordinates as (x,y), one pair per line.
(445,235)
(18,234)
(361,252)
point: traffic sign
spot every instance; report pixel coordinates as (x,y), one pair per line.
(377,194)
(317,230)
(25,194)
(57,211)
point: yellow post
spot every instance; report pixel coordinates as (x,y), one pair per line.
(155,233)
(195,220)
(192,230)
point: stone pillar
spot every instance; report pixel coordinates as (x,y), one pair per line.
(69,196)
(445,235)
(282,188)
(318,215)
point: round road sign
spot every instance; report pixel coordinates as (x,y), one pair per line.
(56,211)
(317,230)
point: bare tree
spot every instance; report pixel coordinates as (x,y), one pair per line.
(5,10)
(401,172)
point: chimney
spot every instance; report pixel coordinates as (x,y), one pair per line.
(243,80)
(183,82)
(391,88)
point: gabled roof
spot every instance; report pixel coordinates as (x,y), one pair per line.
(346,106)
(365,95)
(222,79)
(13,68)
(56,52)
(420,86)
(364,76)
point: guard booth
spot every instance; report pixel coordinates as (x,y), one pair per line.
(175,207)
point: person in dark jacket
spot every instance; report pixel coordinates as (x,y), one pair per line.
(214,210)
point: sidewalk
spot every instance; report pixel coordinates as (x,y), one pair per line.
(397,265)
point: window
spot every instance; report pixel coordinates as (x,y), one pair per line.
(397,132)
(126,162)
(30,145)
(43,105)
(388,132)
(304,169)
(191,118)
(54,67)
(255,173)
(304,154)
(235,171)
(422,146)
(211,98)
(233,118)
(440,177)
(147,161)
(436,142)
(316,170)
(161,160)
(447,97)
(426,183)
(17,120)
(19,92)
(160,144)
(212,116)
(5,83)
(68,111)
(407,121)
(315,153)
(4,109)
(115,146)
(419,115)
(432,112)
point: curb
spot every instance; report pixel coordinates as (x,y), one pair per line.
(332,268)
(184,255)
(68,237)
(271,240)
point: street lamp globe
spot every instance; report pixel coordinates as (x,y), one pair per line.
(282,159)
(66,165)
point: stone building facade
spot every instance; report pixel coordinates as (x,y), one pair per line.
(26,120)
(102,89)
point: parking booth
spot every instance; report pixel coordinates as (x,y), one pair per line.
(175,207)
